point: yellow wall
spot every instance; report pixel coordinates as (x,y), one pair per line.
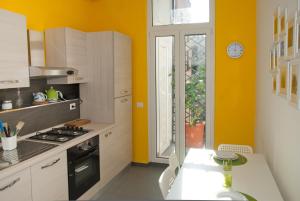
(235,79)
(43,14)
(130,17)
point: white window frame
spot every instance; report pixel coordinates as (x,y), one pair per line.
(174,29)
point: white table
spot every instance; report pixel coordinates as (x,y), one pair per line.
(201,178)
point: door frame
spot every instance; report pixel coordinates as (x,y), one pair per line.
(204,28)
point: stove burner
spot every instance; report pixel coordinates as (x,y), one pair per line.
(62,134)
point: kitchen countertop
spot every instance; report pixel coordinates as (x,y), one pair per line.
(96,129)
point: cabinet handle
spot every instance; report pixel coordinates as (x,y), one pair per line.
(124,92)
(81,169)
(79,78)
(9,81)
(108,134)
(51,164)
(124,100)
(10,185)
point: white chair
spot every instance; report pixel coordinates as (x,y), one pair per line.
(165,181)
(174,164)
(242,149)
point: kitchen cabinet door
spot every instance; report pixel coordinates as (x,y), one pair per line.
(123,129)
(107,156)
(14,71)
(76,53)
(16,187)
(66,47)
(122,65)
(50,179)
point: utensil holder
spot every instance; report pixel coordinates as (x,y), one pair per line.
(9,143)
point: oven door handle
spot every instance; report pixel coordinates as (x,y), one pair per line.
(81,169)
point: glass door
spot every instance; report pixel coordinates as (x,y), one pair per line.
(165,95)
(193,88)
(181,120)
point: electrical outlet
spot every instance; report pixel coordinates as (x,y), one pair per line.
(73,106)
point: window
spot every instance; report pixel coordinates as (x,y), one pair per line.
(168,12)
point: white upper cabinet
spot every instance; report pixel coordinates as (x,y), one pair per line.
(109,61)
(36,48)
(66,47)
(122,65)
(14,71)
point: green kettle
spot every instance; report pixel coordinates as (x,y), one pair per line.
(53,95)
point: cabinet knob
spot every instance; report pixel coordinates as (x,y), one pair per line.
(124,100)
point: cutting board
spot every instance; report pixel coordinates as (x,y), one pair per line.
(78,122)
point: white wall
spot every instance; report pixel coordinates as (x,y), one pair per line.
(277,123)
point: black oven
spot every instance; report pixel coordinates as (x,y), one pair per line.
(83,167)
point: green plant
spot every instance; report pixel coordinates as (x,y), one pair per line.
(195,95)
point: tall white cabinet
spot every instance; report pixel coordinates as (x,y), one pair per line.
(110,66)
(107,97)
(14,71)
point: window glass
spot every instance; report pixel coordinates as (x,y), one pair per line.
(167,12)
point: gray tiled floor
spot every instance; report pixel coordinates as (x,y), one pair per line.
(134,183)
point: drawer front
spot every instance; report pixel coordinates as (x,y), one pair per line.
(50,179)
(16,187)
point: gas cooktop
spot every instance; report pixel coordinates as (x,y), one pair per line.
(62,134)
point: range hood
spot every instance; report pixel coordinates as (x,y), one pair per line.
(51,72)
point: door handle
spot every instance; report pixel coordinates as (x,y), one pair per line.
(10,184)
(81,169)
(9,81)
(51,164)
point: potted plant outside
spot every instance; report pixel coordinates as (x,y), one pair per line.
(195,102)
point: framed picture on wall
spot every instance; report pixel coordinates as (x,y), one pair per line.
(275,83)
(291,30)
(276,24)
(295,83)
(282,47)
(284,79)
(297,35)
(274,59)
(283,35)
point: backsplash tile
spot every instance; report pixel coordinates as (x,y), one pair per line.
(37,85)
(39,118)
(42,117)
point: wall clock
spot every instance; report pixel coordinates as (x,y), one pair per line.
(235,50)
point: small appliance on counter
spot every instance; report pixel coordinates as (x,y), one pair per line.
(7,105)
(53,96)
(62,134)
(39,98)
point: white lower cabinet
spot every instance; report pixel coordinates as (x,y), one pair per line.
(115,153)
(50,179)
(16,187)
